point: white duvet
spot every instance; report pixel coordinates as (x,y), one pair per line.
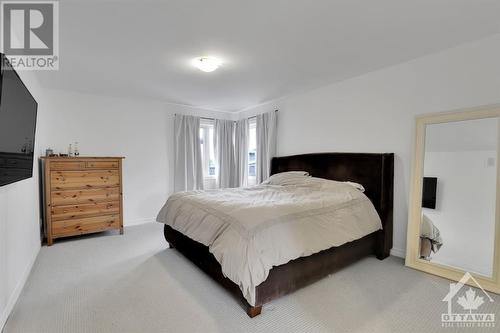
(250,230)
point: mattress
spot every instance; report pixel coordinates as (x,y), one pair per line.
(250,230)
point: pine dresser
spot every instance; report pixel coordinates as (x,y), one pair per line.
(81,195)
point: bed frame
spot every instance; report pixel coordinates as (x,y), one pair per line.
(374,171)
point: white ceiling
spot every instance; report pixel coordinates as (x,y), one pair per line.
(470,135)
(271,48)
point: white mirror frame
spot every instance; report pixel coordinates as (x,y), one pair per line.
(414,215)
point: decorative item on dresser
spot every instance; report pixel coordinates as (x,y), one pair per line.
(82,195)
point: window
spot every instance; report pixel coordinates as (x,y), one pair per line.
(252,151)
(207,148)
(207,144)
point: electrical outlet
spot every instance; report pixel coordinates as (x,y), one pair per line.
(490,162)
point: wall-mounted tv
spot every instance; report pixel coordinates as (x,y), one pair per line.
(429,192)
(17,126)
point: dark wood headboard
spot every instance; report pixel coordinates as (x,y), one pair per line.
(374,171)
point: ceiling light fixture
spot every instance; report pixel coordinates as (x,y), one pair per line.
(206,64)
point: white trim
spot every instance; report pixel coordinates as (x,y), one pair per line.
(208,126)
(128,223)
(398,253)
(17,290)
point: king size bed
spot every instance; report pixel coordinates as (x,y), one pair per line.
(316,214)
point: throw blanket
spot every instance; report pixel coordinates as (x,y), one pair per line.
(430,231)
(250,230)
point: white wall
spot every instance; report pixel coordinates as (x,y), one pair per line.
(375,112)
(139,130)
(19,225)
(465,208)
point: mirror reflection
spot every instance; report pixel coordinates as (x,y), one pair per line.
(459,194)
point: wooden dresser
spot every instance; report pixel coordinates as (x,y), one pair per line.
(82,195)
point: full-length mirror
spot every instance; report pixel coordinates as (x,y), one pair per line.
(459,194)
(454,217)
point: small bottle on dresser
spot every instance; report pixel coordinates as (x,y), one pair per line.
(76,151)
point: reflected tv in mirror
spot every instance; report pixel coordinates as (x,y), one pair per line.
(429,192)
(18,111)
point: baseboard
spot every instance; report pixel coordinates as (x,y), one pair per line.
(17,291)
(398,253)
(129,223)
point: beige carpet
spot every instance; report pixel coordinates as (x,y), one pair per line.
(133,283)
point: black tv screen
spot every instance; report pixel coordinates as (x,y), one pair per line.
(17,126)
(429,192)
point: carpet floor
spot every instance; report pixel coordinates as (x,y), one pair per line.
(134,283)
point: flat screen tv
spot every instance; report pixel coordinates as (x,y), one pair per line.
(17,126)
(429,192)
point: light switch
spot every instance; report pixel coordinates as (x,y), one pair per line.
(490,163)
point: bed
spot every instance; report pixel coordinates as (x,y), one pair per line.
(373,171)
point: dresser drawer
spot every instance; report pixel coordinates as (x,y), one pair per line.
(67,165)
(102,164)
(85,225)
(82,195)
(73,197)
(84,179)
(78,211)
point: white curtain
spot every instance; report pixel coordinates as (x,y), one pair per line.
(188,168)
(241,153)
(225,153)
(266,143)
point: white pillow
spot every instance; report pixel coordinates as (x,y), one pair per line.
(356,185)
(286,178)
(328,184)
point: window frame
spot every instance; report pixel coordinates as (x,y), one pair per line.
(252,125)
(206,125)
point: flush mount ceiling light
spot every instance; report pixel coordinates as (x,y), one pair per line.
(206,64)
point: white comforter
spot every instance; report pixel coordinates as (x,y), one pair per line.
(250,230)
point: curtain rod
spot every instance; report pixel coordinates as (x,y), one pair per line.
(206,118)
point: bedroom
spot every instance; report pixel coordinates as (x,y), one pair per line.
(345,77)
